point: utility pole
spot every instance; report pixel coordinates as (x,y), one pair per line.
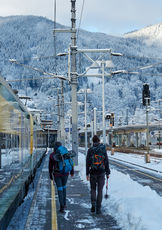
(147,155)
(62,125)
(159,123)
(103,101)
(54,34)
(94,117)
(58,117)
(73,76)
(85,114)
(74,81)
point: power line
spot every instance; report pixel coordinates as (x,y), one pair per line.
(39,70)
(31,79)
(39,58)
(142,57)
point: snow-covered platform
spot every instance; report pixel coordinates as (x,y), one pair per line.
(78,214)
(44,212)
(125,206)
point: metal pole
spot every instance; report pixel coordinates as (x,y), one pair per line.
(103,102)
(127,117)
(62,128)
(48,136)
(69,62)
(94,121)
(0,158)
(85,113)
(92,129)
(147,156)
(58,117)
(54,36)
(74,81)
(159,125)
(69,127)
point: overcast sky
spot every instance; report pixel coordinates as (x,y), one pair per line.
(113,17)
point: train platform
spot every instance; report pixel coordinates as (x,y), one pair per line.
(44,211)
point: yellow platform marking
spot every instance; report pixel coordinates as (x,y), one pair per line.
(145,174)
(53,207)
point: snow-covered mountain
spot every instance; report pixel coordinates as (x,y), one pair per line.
(29,40)
(150,34)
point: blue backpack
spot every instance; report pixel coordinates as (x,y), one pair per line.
(65,162)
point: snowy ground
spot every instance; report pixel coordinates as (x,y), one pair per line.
(135,207)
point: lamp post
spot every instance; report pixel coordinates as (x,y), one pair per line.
(159,122)
(108,64)
(60,114)
(85,91)
(94,125)
(103,102)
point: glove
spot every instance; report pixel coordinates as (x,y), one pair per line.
(88,177)
(72,174)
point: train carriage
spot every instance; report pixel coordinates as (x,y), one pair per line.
(20,151)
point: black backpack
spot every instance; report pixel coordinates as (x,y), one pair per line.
(98,157)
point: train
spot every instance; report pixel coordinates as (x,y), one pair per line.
(19,132)
(23,145)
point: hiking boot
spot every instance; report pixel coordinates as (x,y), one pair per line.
(98,211)
(62,209)
(93,209)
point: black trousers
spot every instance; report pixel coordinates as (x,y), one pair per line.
(97,183)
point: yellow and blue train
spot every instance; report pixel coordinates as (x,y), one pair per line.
(23,144)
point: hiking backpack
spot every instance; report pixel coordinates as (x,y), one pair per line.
(65,162)
(98,157)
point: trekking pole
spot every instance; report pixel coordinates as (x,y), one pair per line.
(106,195)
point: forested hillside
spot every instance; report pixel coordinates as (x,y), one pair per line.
(29,40)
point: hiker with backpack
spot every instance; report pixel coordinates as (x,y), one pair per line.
(97,166)
(60,165)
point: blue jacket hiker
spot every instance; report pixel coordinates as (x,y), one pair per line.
(97,165)
(59,172)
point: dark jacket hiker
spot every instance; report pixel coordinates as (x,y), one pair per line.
(60,177)
(97,165)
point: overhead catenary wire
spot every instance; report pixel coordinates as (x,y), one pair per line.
(39,58)
(131,71)
(52,76)
(39,70)
(31,79)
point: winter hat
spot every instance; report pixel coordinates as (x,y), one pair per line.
(56,145)
(95,139)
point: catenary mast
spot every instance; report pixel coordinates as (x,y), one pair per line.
(74,80)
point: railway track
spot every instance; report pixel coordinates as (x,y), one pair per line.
(142,175)
(134,164)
